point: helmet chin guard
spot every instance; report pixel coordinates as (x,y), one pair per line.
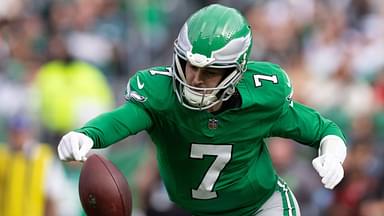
(197,99)
(216,37)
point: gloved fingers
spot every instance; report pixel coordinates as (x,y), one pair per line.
(330,167)
(330,184)
(60,151)
(335,177)
(318,165)
(64,149)
(74,144)
(86,145)
(340,176)
(329,180)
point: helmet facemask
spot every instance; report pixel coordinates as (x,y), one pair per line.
(197,98)
(231,54)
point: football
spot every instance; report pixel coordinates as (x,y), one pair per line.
(103,189)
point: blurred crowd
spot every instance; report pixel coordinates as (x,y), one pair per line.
(64,61)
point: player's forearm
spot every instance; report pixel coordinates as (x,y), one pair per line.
(333,145)
(114,126)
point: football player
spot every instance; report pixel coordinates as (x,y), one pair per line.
(208,115)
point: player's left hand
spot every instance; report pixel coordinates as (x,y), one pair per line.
(330,169)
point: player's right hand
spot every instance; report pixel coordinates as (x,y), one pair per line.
(74,146)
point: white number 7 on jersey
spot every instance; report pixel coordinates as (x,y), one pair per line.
(258,77)
(223,153)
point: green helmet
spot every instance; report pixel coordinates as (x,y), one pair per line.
(215,36)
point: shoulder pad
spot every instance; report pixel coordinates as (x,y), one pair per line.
(267,84)
(151,87)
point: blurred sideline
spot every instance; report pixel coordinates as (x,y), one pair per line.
(64,61)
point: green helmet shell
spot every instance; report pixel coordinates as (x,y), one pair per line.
(215,36)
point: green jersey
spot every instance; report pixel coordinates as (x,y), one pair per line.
(214,164)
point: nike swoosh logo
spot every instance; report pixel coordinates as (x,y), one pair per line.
(139,83)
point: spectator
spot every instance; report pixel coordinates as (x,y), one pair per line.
(32,182)
(70,91)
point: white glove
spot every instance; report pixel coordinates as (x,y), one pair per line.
(332,153)
(74,146)
(330,169)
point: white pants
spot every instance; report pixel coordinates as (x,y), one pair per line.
(281,203)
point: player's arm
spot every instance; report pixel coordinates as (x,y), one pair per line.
(104,130)
(111,127)
(304,124)
(114,126)
(307,126)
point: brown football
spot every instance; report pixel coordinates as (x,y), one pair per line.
(103,189)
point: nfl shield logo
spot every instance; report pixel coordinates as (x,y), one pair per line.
(212,123)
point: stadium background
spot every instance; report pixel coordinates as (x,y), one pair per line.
(333,52)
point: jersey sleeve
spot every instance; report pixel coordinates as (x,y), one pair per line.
(304,125)
(116,125)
